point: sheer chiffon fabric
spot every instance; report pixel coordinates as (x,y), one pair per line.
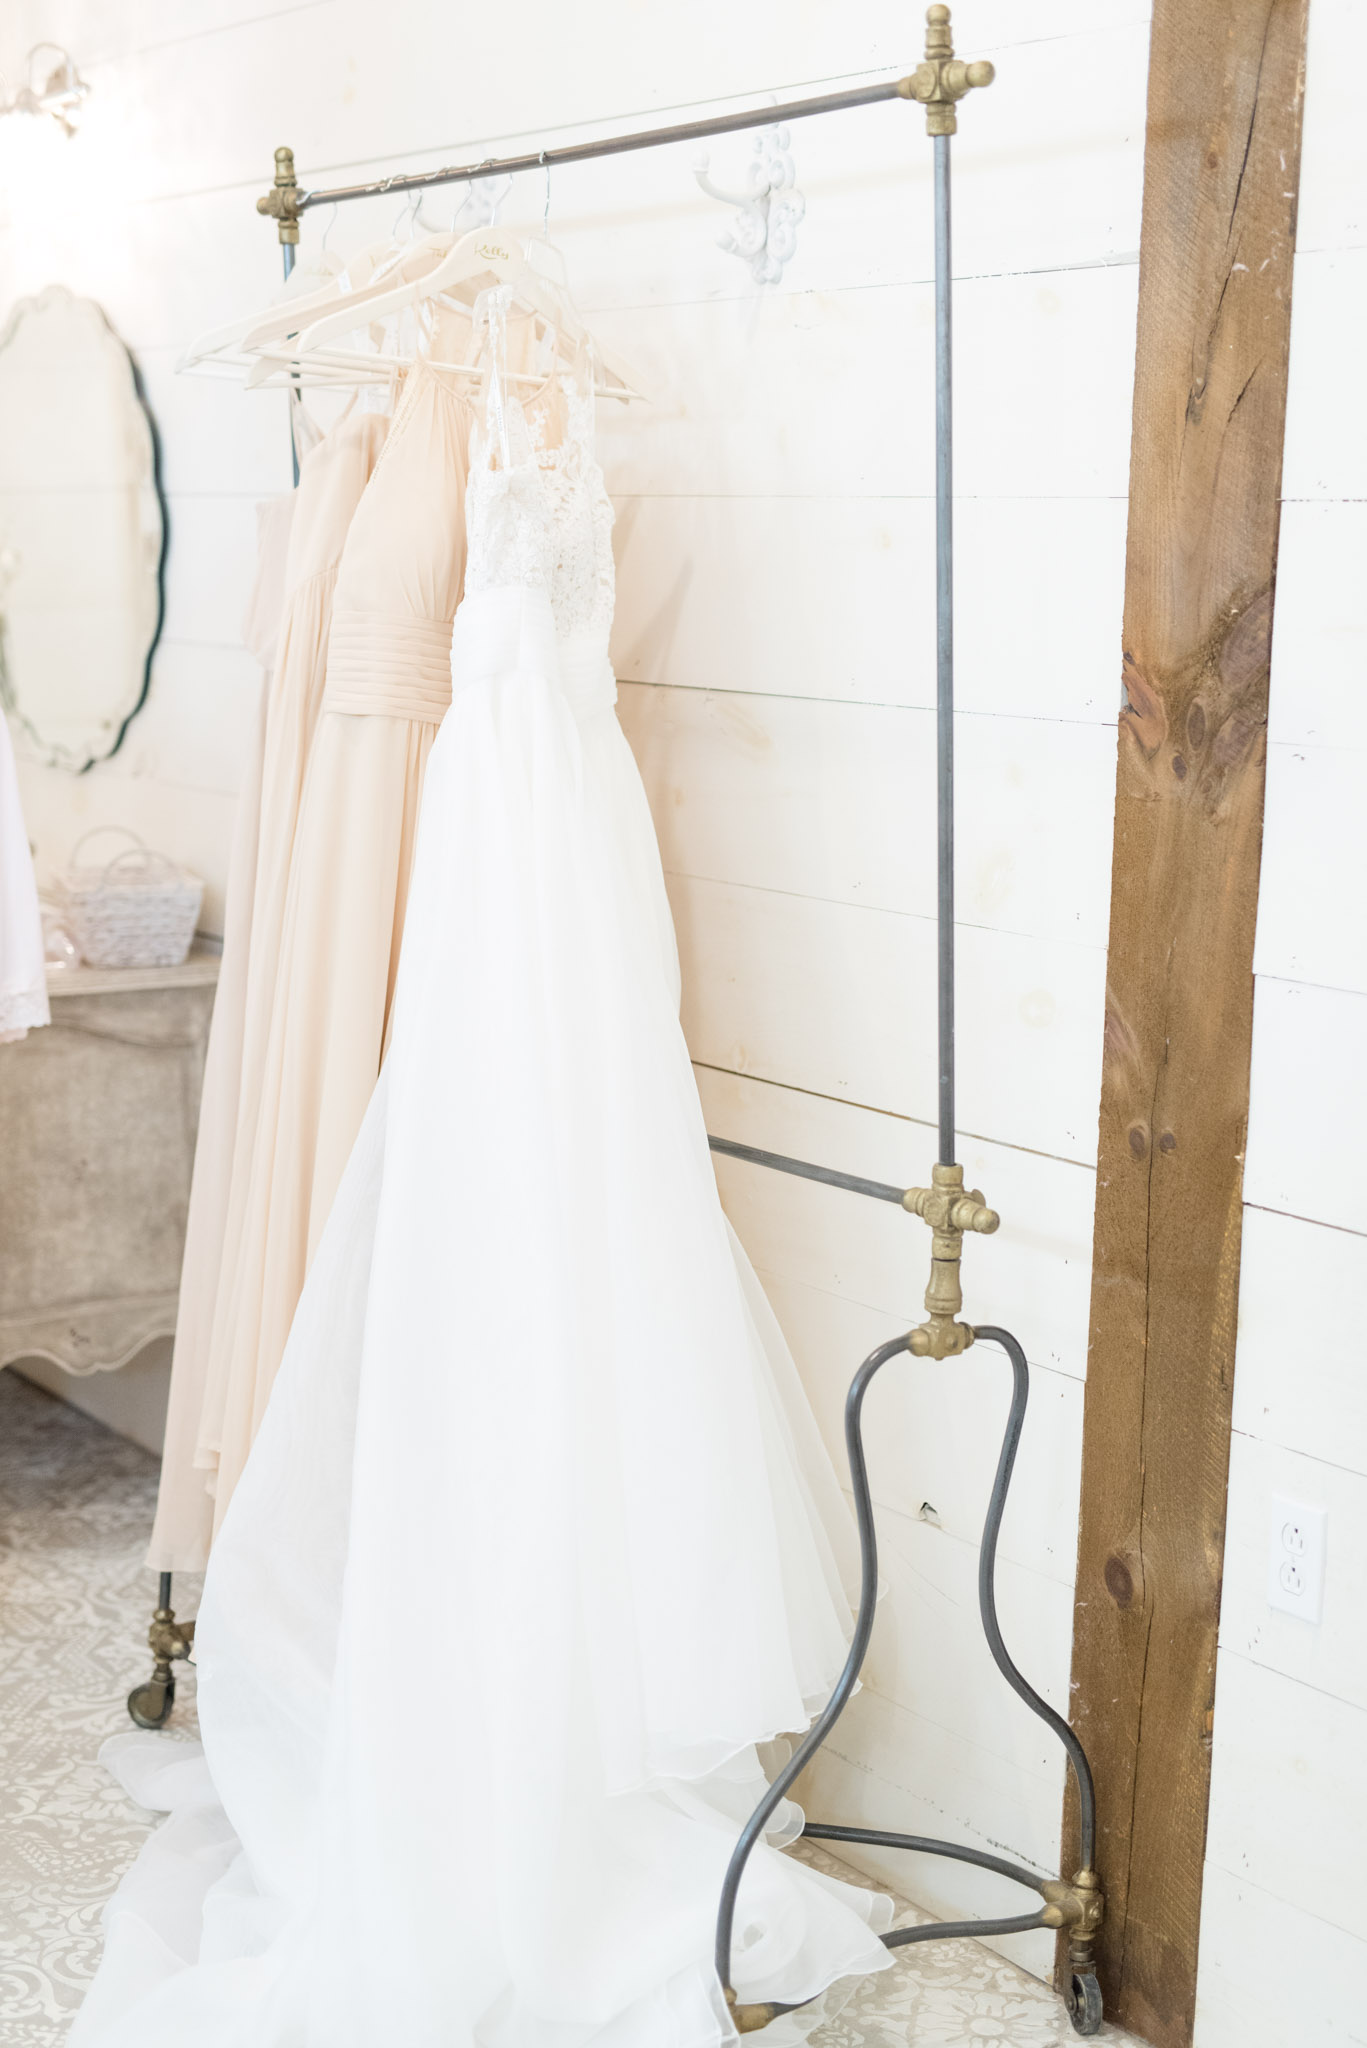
(387,686)
(538,1540)
(308,531)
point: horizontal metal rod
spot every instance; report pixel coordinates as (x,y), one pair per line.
(612,145)
(923,1845)
(853,1183)
(963,1930)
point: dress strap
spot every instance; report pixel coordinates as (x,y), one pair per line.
(491,314)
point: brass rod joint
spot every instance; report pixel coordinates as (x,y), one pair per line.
(1078,1904)
(281,203)
(942,78)
(169,1639)
(950,1210)
(749,2019)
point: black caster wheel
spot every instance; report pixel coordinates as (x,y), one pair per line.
(1084,2004)
(149,1705)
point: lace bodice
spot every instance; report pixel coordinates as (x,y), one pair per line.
(537,511)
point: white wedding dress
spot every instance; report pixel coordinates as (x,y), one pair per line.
(538,1540)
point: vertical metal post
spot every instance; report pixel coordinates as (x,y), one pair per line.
(287,256)
(281,203)
(944,642)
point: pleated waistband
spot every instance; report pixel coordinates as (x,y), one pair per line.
(387,665)
(510,630)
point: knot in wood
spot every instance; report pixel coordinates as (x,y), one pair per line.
(1119,1581)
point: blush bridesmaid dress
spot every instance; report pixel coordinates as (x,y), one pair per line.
(387,687)
(288,623)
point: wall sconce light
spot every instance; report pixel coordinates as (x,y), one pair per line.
(57,90)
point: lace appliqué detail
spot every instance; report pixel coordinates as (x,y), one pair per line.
(508,539)
(583,584)
(537,510)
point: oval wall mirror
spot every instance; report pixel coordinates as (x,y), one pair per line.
(82,530)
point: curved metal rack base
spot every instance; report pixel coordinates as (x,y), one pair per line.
(1075,1905)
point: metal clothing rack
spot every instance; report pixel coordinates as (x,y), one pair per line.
(1074,1905)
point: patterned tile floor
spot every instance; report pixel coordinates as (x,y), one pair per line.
(75,1507)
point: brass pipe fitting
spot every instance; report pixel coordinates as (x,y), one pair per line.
(942,78)
(281,203)
(1078,1910)
(950,1210)
(1078,1904)
(169,1640)
(749,2019)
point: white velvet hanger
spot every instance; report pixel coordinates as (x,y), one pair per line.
(347,283)
(299,341)
(484,252)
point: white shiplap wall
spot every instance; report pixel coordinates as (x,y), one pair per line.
(775,647)
(1284,1923)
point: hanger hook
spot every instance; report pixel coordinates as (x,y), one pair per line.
(331,224)
(546,209)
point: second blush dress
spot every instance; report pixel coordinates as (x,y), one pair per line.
(387,689)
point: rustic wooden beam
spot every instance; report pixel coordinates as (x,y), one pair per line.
(1220,179)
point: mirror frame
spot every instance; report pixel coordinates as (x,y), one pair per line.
(51,754)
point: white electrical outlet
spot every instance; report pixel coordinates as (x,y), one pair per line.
(1297,1539)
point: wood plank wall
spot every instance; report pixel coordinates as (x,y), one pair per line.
(1221,166)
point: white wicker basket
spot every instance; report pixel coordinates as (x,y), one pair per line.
(137,910)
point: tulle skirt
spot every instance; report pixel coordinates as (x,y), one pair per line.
(538,1541)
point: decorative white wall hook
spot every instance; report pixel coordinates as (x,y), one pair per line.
(764,234)
(483,198)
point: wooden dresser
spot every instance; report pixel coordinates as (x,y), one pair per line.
(98,1113)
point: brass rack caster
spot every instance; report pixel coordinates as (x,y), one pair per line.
(150,1704)
(1082,1997)
(1079,1907)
